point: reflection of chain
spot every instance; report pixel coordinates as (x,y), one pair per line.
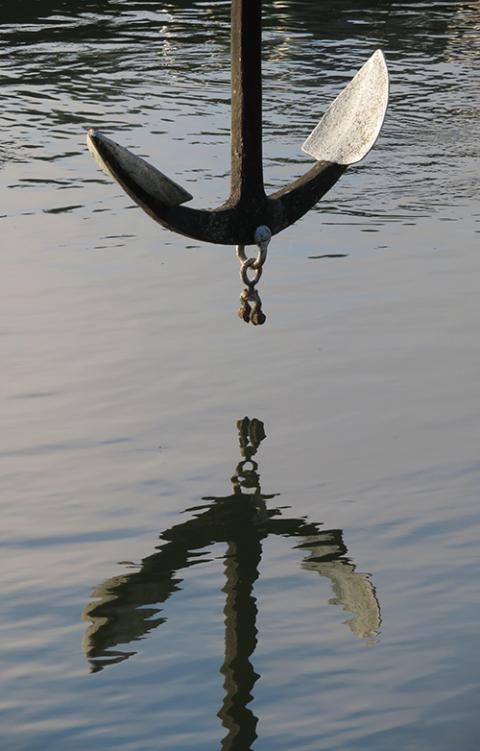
(250,434)
(250,302)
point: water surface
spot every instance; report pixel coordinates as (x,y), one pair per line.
(213,533)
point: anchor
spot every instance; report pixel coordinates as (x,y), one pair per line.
(344,136)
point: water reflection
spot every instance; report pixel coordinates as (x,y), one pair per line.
(125,609)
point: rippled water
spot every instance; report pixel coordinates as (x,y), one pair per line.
(176,576)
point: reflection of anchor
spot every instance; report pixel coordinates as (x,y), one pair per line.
(126,607)
(344,136)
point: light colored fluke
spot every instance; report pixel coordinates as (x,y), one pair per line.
(350,126)
(353,590)
(147,177)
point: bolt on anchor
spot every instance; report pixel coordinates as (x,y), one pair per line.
(345,134)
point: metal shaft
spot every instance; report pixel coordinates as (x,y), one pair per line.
(246,127)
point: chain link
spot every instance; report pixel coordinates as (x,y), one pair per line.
(250,302)
(250,434)
(250,263)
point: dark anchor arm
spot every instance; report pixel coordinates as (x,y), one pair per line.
(233,223)
(289,204)
(344,136)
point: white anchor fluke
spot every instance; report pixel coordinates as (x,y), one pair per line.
(350,126)
(114,159)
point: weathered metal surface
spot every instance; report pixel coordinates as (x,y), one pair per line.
(246,105)
(233,223)
(350,126)
(147,177)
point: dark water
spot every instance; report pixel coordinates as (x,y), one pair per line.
(175,576)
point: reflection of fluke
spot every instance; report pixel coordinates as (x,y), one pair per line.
(344,136)
(125,607)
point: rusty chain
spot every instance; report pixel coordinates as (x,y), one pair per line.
(250,303)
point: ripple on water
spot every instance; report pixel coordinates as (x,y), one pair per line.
(124,372)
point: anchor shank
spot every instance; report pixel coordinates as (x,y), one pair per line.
(246,125)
